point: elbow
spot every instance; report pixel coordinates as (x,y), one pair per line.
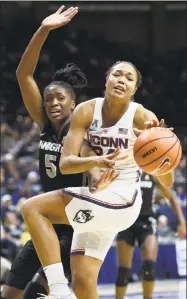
(168,184)
(167,180)
(64,170)
(170,180)
(22,73)
(63,166)
(27,210)
(19,73)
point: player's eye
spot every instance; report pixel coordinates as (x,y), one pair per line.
(48,100)
(116,75)
(61,98)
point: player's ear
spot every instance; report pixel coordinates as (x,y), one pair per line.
(135,89)
(106,80)
(72,105)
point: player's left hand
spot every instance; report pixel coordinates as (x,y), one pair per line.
(181,231)
(108,177)
(59,18)
(151,124)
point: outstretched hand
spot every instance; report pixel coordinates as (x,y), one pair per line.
(59,18)
(108,161)
(181,230)
(108,177)
(151,124)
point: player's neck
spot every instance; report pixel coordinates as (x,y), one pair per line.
(114,110)
(59,126)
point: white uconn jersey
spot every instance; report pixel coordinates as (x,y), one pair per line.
(121,201)
(105,140)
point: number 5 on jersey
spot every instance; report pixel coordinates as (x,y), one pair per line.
(50,166)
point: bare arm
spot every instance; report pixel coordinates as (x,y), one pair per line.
(70,162)
(142,116)
(167,192)
(97,180)
(29,89)
(94,173)
(145,119)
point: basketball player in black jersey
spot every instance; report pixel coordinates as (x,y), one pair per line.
(52,115)
(51,207)
(144,232)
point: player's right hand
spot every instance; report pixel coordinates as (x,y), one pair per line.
(107,178)
(151,124)
(59,18)
(108,161)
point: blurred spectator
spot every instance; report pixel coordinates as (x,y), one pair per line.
(163,227)
(181,194)
(7,137)
(6,206)
(5,267)
(2,180)
(12,227)
(25,236)
(180,173)
(33,179)
(4,262)
(19,207)
(8,245)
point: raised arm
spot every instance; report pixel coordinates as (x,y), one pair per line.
(145,119)
(29,89)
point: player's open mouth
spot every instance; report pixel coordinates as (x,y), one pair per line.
(119,89)
(55,113)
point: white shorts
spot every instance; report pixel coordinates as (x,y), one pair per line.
(97,218)
(94,244)
(111,210)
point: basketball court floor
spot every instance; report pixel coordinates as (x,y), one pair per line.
(166,289)
(172,289)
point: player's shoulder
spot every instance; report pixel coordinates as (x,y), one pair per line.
(143,114)
(140,109)
(89,103)
(86,109)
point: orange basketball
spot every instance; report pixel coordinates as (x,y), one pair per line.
(157,151)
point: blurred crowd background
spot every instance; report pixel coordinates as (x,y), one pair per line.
(99,36)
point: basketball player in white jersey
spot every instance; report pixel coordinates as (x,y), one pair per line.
(110,124)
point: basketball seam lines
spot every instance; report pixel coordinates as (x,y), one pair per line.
(176,157)
(161,155)
(152,141)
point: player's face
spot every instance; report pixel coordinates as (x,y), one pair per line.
(58,103)
(121,83)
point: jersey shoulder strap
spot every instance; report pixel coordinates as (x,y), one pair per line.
(97,117)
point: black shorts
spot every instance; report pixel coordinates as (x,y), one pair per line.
(27,263)
(144,226)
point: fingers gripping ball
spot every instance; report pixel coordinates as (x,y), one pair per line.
(157,151)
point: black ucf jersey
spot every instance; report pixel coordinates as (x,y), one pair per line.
(50,148)
(147,188)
